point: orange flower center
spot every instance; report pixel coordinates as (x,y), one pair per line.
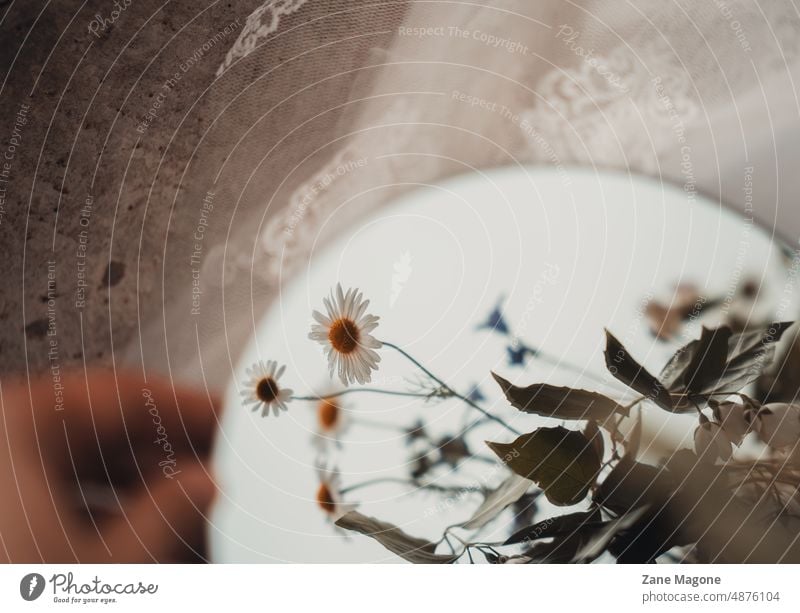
(328,414)
(267,390)
(344,335)
(325,499)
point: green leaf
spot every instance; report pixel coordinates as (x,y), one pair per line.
(410,548)
(624,368)
(559,402)
(562,462)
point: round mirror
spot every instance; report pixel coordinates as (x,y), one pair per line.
(516,271)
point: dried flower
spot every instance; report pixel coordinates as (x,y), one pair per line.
(475,394)
(421,464)
(777,424)
(666,320)
(518,353)
(329,497)
(331,423)
(345,334)
(416,432)
(453,449)
(495,322)
(263,390)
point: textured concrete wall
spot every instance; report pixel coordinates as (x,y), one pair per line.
(96,135)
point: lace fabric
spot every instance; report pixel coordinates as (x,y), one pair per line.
(327,110)
(259,25)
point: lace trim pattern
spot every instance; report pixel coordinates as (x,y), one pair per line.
(587,117)
(289,236)
(630,120)
(260,23)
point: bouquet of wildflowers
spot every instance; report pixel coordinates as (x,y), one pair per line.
(709,503)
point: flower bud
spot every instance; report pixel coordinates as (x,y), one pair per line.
(777,424)
(710,442)
(731,418)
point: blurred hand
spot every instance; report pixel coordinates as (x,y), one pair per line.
(114,470)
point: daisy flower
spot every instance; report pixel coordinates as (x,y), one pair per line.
(329,497)
(331,423)
(262,388)
(345,334)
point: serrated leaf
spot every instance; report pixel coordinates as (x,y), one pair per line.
(624,368)
(554,526)
(749,354)
(508,492)
(410,548)
(745,343)
(720,361)
(701,360)
(559,402)
(562,462)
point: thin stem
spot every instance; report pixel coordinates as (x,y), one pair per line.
(424,486)
(483,458)
(474,424)
(450,389)
(361,421)
(559,363)
(450,545)
(354,390)
(635,402)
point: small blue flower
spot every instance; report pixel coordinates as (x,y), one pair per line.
(495,322)
(475,394)
(518,352)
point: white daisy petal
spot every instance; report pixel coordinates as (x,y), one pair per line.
(348,301)
(265,394)
(359,312)
(346,322)
(325,321)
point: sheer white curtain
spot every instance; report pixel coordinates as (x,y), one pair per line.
(325,109)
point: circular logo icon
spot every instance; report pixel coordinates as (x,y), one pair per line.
(31,586)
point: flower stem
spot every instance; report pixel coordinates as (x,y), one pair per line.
(450,389)
(422,486)
(559,363)
(634,403)
(353,390)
